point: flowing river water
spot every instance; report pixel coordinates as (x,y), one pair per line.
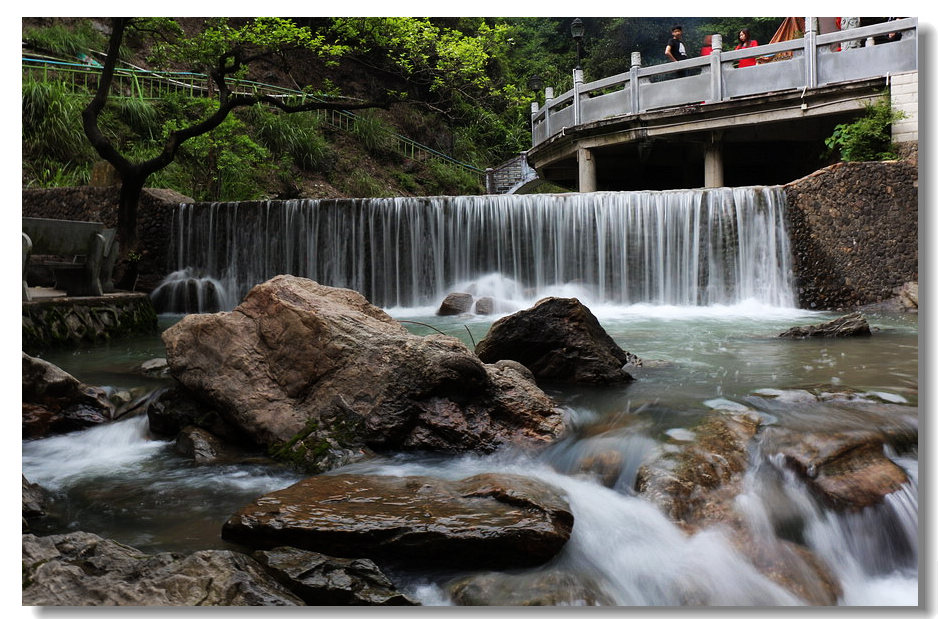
(710,343)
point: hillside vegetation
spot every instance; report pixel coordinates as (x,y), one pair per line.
(462,84)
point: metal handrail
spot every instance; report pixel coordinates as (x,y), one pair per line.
(146,84)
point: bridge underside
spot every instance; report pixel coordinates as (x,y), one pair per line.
(765,140)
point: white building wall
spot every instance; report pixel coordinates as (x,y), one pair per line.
(904,94)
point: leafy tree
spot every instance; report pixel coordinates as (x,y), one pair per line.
(223,52)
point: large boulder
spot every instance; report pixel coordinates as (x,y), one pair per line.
(321,580)
(845,326)
(484,521)
(559,340)
(307,369)
(55,402)
(82,569)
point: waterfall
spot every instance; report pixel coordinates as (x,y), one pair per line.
(679,247)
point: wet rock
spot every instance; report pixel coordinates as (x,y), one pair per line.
(320,580)
(155,367)
(83,569)
(56,402)
(454,304)
(35,500)
(543,588)
(306,369)
(908,296)
(171,409)
(559,340)
(203,446)
(485,306)
(850,325)
(847,470)
(697,484)
(688,481)
(485,521)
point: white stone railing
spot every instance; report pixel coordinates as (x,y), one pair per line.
(813,61)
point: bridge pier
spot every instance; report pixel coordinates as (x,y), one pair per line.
(713,161)
(586,170)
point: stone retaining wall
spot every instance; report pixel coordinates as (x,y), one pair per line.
(73,321)
(154,220)
(854,233)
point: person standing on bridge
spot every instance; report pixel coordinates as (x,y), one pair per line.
(675,49)
(745,40)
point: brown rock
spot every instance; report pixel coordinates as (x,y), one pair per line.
(559,340)
(848,470)
(845,326)
(304,368)
(454,304)
(490,520)
(321,580)
(55,402)
(543,588)
(82,569)
(696,484)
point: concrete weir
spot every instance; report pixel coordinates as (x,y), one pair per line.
(52,320)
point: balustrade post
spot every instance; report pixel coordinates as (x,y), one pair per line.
(716,69)
(633,82)
(534,109)
(548,99)
(810,52)
(577,82)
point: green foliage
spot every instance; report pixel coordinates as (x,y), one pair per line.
(373,133)
(446,178)
(224,164)
(762,29)
(58,39)
(869,138)
(361,184)
(297,136)
(55,150)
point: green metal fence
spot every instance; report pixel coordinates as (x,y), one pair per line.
(82,79)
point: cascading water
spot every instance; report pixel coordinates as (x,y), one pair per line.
(689,247)
(659,269)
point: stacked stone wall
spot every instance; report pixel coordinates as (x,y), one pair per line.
(854,233)
(154,220)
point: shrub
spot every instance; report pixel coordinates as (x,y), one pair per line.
(448,179)
(64,41)
(869,138)
(373,134)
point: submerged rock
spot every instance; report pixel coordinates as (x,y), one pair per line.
(321,580)
(845,326)
(56,402)
(306,369)
(485,521)
(83,569)
(559,340)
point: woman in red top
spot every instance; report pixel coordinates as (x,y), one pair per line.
(744,42)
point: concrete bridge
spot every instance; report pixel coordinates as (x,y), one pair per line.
(704,122)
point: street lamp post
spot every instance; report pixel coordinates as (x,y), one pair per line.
(576,31)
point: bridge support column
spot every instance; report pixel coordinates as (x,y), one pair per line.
(586,166)
(713,161)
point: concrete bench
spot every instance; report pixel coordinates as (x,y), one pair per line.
(80,254)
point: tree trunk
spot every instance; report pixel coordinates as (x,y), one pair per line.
(131,188)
